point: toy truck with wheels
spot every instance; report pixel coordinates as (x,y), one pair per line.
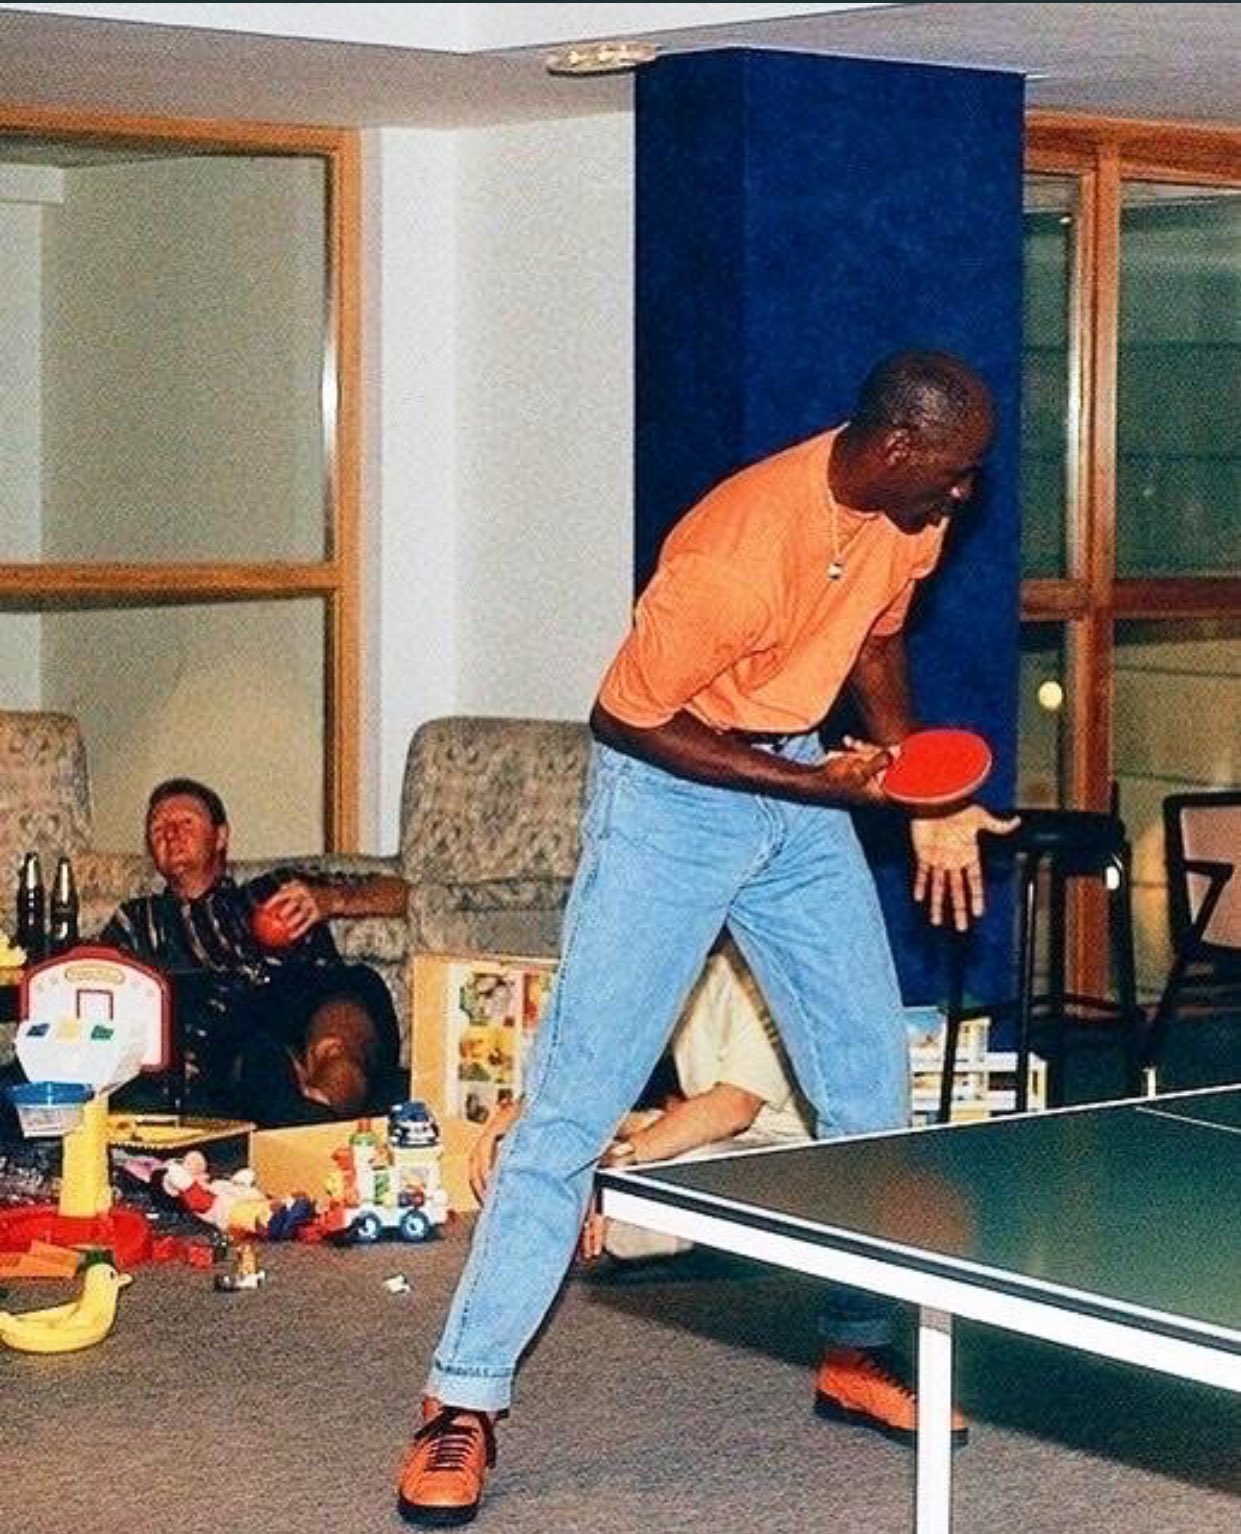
(394,1185)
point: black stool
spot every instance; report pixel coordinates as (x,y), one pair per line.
(1068,844)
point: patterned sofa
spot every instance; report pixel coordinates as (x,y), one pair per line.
(488,838)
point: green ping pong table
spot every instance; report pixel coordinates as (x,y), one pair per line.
(1110,1228)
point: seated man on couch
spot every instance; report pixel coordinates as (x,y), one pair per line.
(273,1024)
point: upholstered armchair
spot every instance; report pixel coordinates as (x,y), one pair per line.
(45,807)
(489,832)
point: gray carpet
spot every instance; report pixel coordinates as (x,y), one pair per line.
(671,1402)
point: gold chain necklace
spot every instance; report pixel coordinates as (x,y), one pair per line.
(837,567)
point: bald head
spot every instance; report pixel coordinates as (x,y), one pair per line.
(932,393)
(913,447)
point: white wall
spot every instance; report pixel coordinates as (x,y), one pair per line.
(501,425)
(546,389)
(409,647)
(20,418)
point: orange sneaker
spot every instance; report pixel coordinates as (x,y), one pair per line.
(854,1386)
(441,1480)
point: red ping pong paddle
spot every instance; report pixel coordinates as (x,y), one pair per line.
(937,767)
(269,928)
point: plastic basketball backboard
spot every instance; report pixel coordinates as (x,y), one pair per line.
(102,989)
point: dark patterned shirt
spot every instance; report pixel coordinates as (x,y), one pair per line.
(228,991)
(212,932)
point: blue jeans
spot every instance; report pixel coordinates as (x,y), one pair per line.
(665,864)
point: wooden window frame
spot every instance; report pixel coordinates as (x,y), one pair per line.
(334,579)
(1090,598)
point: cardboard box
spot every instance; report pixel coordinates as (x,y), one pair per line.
(473,1020)
(298,1160)
(357,1173)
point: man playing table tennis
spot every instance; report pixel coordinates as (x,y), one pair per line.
(712,803)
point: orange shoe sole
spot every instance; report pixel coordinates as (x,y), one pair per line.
(437,1517)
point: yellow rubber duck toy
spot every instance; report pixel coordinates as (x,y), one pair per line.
(78,1324)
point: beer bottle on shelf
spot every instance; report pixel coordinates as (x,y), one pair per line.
(31,931)
(62,927)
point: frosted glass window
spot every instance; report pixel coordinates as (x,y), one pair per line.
(182,361)
(1042,715)
(1178,700)
(1179,385)
(1048,345)
(230,693)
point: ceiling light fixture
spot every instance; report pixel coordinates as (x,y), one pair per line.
(599,58)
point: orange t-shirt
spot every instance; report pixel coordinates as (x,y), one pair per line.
(742,625)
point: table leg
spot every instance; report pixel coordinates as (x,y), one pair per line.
(934,1473)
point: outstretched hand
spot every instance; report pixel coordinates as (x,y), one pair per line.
(949,867)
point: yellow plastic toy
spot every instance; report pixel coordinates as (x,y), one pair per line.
(78,1324)
(93,1020)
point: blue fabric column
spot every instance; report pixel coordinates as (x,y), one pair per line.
(798,217)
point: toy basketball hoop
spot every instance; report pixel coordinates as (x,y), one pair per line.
(92,1019)
(93,1015)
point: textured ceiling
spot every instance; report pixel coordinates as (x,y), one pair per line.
(1171,61)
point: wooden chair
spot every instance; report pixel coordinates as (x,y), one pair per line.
(1202,846)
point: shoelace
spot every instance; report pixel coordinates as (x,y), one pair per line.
(864,1365)
(451,1435)
(870,1366)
